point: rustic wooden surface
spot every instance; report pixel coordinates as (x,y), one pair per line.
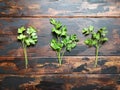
(71,64)
(61,82)
(77,71)
(9,45)
(59,8)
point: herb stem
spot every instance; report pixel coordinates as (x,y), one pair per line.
(96,57)
(58,38)
(63,52)
(59,58)
(25,54)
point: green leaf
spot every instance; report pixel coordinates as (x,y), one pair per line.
(73,45)
(27,42)
(55,45)
(73,37)
(88,42)
(103,40)
(32,41)
(30,36)
(86,31)
(70,41)
(54,29)
(91,28)
(21,37)
(94,42)
(58,32)
(63,31)
(34,36)
(66,40)
(52,21)
(31,30)
(58,25)
(104,33)
(70,46)
(21,30)
(97,36)
(104,28)
(93,35)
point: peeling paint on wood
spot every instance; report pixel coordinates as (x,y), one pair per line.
(61,82)
(77,71)
(71,64)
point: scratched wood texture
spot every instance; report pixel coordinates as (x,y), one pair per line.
(9,45)
(61,82)
(77,71)
(12,53)
(59,8)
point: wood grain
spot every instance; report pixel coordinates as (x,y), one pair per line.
(77,71)
(61,82)
(70,64)
(10,46)
(60,8)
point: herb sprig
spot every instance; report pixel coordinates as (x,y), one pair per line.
(27,36)
(97,39)
(61,42)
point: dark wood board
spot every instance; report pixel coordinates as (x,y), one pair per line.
(10,46)
(77,71)
(70,64)
(61,82)
(60,8)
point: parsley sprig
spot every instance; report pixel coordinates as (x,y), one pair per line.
(61,42)
(27,36)
(97,39)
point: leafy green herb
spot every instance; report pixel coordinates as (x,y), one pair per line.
(97,39)
(61,42)
(28,37)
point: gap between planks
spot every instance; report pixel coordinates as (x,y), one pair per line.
(80,57)
(50,16)
(60,75)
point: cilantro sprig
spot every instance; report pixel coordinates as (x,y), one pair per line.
(27,36)
(97,39)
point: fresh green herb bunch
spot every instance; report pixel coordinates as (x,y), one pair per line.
(62,42)
(28,37)
(97,39)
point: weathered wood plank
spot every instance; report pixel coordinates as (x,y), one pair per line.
(59,8)
(77,71)
(9,46)
(61,82)
(70,64)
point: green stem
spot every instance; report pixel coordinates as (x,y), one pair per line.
(63,53)
(57,38)
(59,53)
(25,55)
(96,57)
(59,58)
